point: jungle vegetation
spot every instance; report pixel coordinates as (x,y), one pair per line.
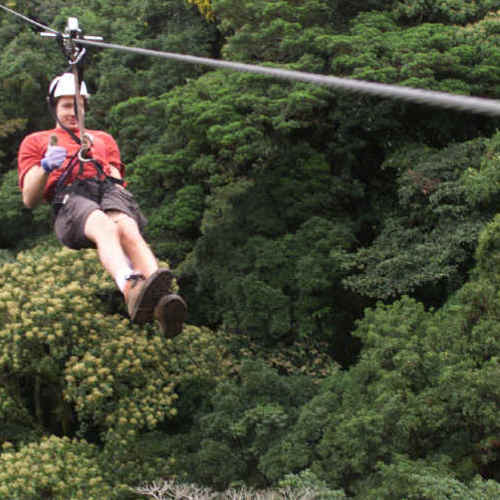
(340,255)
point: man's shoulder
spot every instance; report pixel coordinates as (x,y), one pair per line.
(100,133)
(37,138)
(41,134)
(106,139)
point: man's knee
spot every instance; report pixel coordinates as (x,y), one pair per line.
(127,227)
(99,227)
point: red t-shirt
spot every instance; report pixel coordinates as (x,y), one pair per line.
(32,150)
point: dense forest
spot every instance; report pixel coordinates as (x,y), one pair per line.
(340,255)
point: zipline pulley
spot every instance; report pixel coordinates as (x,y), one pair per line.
(71,31)
(73,52)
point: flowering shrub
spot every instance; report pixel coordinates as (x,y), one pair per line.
(55,330)
(70,365)
(73,364)
(56,468)
(205,7)
(15,421)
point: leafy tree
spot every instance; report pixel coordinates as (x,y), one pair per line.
(415,480)
(247,418)
(425,388)
(279,154)
(57,468)
(436,11)
(19,223)
(278,188)
(204,7)
(71,364)
(428,238)
(287,209)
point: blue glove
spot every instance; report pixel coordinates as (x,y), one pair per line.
(53,158)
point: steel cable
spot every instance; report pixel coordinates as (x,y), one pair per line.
(480,105)
(442,99)
(27,19)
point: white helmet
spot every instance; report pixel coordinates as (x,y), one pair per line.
(65,85)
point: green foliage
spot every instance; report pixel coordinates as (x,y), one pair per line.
(261,202)
(57,468)
(93,374)
(18,223)
(72,364)
(481,182)
(430,55)
(172,26)
(286,208)
(5,256)
(16,424)
(280,31)
(425,387)
(437,11)
(487,251)
(306,480)
(414,480)
(247,419)
(427,239)
(290,274)
(272,160)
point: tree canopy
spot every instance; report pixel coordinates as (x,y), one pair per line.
(339,254)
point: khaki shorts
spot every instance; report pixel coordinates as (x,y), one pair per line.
(77,201)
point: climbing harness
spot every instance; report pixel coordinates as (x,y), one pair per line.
(479,105)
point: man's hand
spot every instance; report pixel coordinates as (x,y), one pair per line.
(53,158)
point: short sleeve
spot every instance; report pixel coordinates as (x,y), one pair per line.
(113,156)
(30,154)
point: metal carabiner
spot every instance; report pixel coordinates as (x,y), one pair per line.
(86,145)
(80,53)
(81,158)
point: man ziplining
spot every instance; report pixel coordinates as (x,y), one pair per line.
(92,208)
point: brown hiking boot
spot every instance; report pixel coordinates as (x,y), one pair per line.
(171,312)
(142,295)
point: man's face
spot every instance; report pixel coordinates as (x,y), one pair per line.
(65,111)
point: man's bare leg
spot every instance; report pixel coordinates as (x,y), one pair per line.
(117,236)
(102,231)
(141,294)
(133,244)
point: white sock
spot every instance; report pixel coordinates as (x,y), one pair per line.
(121,277)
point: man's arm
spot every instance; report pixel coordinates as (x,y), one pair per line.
(36,177)
(35,172)
(113,157)
(34,185)
(114,172)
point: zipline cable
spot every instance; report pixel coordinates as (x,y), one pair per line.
(27,19)
(480,105)
(442,99)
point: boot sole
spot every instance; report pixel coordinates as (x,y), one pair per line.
(155,287)
(171,312)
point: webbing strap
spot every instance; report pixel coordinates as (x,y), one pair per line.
(69,170)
